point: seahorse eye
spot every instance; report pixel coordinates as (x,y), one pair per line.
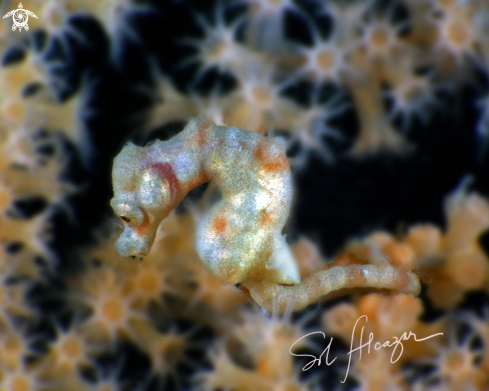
(125,219)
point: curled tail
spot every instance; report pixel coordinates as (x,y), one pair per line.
(296,297)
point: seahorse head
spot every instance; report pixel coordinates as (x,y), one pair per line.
(144,194)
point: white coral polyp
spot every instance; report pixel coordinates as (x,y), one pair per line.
(381,39)
(218,48)
(457,34)
(412,97)
(325,62)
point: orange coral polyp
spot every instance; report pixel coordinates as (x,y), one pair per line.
(239,239)
(112,310)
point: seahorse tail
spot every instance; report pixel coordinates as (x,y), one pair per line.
(276,297)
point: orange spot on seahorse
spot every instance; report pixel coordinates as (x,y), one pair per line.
(261,152)
(403,278)
(269,161)
(143,228)
(266,218)
(201,134)
(220,225)
(358,277)
(279,164)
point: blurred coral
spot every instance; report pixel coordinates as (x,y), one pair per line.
(383,105)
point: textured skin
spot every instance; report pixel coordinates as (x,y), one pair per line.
(239,239)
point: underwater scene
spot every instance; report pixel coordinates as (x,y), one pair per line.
(363,265)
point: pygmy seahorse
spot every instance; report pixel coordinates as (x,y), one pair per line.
(240,238)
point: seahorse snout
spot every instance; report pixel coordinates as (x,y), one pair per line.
(130,244)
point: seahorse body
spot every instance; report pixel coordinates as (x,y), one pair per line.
(241,234)
(240,238)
